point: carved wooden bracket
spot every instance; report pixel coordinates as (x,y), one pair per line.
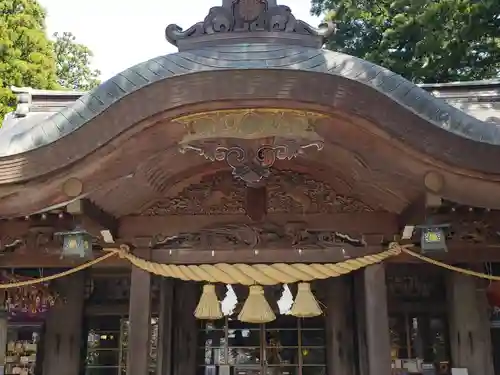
(40,238)
(266,236)
(474,230)
(252,165)
(251,140)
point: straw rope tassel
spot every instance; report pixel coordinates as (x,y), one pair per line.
(305,304)
(256,309)
(209,306)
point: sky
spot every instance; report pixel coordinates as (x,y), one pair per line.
(124,33)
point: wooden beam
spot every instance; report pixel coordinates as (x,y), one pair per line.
(339,325)
(185,331)
(93,218)
(377,320)
(417,211)
(165,328)
(101,217)
(139,322)
(359,317)
(384,223)
(236,255)
(18,227)
(4,323)
(470,337)
(53,261)
(457,253)
(64,328)
(414,213)
(256,202)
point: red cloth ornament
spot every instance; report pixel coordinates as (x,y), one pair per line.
(493,294)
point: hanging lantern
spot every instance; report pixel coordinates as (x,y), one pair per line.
(433,238)
(76,244)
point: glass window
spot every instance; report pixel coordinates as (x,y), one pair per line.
(419,336)
(438,339)
(312,337)
(282,337)
(103,345)
(212,337)
(107,345)
(211,356)
(244,356)
(243,337)
(398,334)
(286,346)
(313,356)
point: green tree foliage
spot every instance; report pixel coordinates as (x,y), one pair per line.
(26,55)
(73,64)
(423,40)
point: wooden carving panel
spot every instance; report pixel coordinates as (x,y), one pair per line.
(292,192)
(263,236)
(287,192)
(474,230)
(216,194)
(40,239)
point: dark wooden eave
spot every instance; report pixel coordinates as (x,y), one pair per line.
(474,238)
(388,131)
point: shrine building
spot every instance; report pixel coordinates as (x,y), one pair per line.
(253,204)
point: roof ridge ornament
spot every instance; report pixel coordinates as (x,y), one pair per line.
(249,21)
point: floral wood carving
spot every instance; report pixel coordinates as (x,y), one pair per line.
(287,192)
(250,124)
(292,192)
(217,194)
(40,239)
(269,235)
(474,230)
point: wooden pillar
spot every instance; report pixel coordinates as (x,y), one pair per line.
(339,326)
(470,336)
(360,322)
(3,332)
(185,328)
(139,335)
(164,361)
(63,330)
(377,321)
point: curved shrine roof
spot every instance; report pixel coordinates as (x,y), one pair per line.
(24,132)
(259,37)
(256,52)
